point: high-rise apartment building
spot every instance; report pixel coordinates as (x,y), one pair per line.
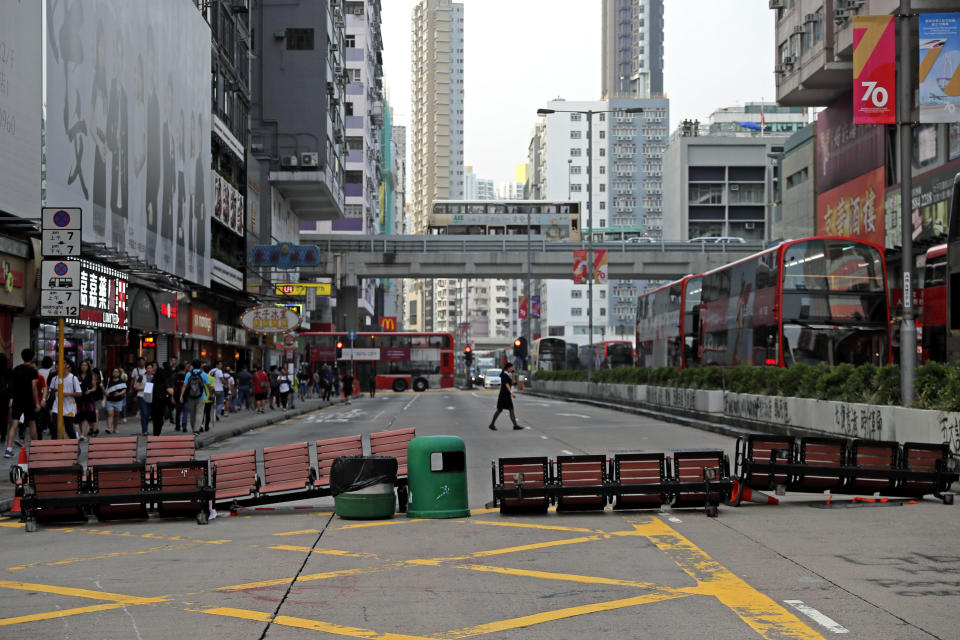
(627,184)
(632,60)
(436,162)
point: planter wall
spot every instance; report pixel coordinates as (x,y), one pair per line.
(875,422)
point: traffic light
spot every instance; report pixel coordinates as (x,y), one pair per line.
(468,354)
(339,349)
(520,348)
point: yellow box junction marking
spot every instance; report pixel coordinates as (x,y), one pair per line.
(115,554)
(762,614)
(328,552)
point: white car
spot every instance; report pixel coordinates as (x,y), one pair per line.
(491,379)
(641,240)
(718,240)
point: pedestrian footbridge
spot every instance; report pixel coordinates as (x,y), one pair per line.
(506,257)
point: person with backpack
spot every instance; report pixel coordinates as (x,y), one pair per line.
(211,400)
(283,387)
(261,387)
(194,394)
(274,376)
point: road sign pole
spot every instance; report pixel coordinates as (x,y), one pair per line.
(60,329)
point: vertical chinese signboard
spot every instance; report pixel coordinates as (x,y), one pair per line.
(874,78)
(854,209)
(939,74)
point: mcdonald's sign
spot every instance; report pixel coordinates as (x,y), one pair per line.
(388,323)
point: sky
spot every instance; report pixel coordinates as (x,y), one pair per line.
(519,54)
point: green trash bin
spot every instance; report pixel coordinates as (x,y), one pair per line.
(437,475)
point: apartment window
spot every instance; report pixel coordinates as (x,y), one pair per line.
(575,135)
(574,117)
(700,193)
(575,152)
(603,135)
(603,153)
(576,294)
(299,39)
(355,8)
(603,171)
(575,169)
(555,331)
(603,223)
(576,188)
(350,41)
(603,310)
(603,295)
(603,117)
(353,75)
(603,188)
(818,25)
(603,205)
(576,311)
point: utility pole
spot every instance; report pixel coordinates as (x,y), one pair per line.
(908,329)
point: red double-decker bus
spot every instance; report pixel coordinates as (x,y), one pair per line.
(933,307)
(821,299)
(398,361)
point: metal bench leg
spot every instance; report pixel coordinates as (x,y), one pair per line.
(402,498)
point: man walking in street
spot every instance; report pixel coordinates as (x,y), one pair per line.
(347,386)
(194,394)
(505,399)
(24,397)
(219,392)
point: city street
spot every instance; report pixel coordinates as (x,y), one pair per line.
(797,570)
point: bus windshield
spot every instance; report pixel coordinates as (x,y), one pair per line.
(834,303)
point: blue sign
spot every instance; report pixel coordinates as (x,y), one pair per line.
(351,335)
(284,255)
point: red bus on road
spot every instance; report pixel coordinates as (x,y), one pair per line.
(399,361)
(933,314)
(821,299)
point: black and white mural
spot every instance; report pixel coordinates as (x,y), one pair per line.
(128,127)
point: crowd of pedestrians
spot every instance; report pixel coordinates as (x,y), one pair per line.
(192,395)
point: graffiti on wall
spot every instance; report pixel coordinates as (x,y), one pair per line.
(859,421)
(762,408)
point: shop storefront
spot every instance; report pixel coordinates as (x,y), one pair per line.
(100,333)
(199,341)
(232,345)
(12,299)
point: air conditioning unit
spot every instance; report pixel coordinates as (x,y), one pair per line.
(810,17)
(749,225)
(334,46)
(309,159)
(789,60)
(775,4)
(840,15)
(798,29)
(779,69)
(338,70)
(734,187)
(288,161)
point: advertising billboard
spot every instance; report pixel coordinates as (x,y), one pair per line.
(938,98)
(21,102)
(128,127)
(845,150)
(929,204)
(874,78)
(854,209)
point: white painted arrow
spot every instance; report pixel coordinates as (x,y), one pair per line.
(574,415)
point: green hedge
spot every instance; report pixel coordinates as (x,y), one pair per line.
(936,385)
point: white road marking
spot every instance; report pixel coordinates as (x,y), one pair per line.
(569,453)
(451,408)
(817,617)
(574,415)
(543,437)
(377,416)
(671,518)
(412,400)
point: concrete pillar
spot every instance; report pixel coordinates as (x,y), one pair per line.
(346,313)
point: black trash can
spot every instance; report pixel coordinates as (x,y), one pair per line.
(362,487)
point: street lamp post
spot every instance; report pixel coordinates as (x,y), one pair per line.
(590,261)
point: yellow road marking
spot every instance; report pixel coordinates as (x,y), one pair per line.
(294,533)
(63,613)
(12,525)
(556,614)
(364,525)
(80,593)
(115,554)
(304,623)
(128,534)
(760,612)
(570,577)
(504,550)
(310,577)
(480,512)
(545,527)
(328,552)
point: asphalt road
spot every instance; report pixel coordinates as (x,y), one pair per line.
(797,570)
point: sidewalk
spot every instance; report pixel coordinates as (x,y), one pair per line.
(234,425)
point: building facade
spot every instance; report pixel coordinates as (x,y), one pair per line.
(627,188)
(632,54)
(436,161)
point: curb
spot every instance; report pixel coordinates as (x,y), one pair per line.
(213,437)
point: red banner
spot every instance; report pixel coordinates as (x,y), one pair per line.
(854,209)
(522,308)
(874,76)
